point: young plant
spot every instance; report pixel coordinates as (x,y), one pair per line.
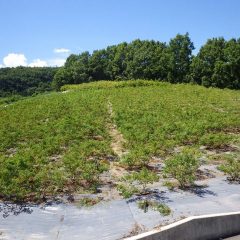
(127,190)
(182,167)
(232,168)
(137,182)
(88,202)
(162,208)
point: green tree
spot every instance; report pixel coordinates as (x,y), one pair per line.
(26,80)
(98,65)
(202,67)
(217,64)
(62,77)
(179,58)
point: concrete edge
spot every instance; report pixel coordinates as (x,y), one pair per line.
(180,222)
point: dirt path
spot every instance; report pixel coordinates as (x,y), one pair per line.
(117,145)
(111,177)
(118,141)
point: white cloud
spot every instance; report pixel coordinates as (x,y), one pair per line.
(14,60)
(38,63)
(57,62)
(19,59)
(61,50)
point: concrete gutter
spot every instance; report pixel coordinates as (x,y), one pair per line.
(205,227)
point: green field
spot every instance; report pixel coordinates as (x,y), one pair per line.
(60,143)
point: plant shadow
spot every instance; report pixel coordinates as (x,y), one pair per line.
(7,209)
(151,194)
(200,190)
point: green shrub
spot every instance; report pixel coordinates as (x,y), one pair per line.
(135,159)
(182,167)
(169,185)
(137,182)
(143,177)
(232,168)
(162,208)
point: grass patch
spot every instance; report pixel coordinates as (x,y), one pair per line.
(110,84)
(10,99)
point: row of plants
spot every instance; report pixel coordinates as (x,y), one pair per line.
(52,145)
(157,120)
(172,123)
(111,84)
(60,144)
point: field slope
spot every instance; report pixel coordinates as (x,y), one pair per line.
(61,143)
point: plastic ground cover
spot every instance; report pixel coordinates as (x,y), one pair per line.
(115,219)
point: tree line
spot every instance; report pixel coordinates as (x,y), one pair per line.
(26,80)
(217,63)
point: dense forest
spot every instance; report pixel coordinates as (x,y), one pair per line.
(217,64)
(26,80)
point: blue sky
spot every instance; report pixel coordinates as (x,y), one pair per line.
(45,32)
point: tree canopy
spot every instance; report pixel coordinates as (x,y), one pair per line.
(216,65)
(26,80)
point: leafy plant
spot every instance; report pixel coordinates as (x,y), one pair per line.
(232,168)
(143,178)
(137,182)
(127,190)
(162,208)
(182,167)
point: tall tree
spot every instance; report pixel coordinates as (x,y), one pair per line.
(217,64)
(180,56)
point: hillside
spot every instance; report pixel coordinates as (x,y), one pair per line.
(26,81)
(63,143)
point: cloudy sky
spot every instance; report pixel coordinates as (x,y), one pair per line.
(45,32)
